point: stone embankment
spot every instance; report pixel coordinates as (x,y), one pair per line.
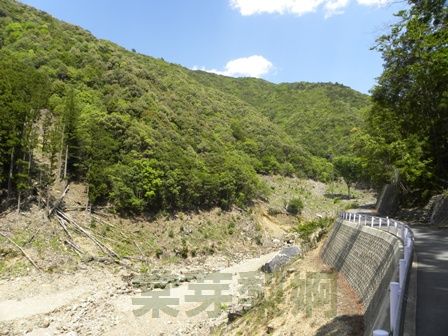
(368,258)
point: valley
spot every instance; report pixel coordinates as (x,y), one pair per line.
(144,197)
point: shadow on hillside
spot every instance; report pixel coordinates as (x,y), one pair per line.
(344,325)
(368,206)
(338,196)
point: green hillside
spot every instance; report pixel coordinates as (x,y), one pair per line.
(317,115)
(147,135)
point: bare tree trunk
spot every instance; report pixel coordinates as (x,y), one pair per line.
(39,192)
(11,170)
(60,153)
(47,208)
(87,202)
(30,160)
(66,161)
(18,201)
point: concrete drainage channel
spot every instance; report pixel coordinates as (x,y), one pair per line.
(375,255)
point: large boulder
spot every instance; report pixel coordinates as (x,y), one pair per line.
(439,215)
(389,200)
(281,259)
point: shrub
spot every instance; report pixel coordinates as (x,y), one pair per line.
(171,233)
(352,205)
(295,206)
(231,228)
(273,211)
(308,228)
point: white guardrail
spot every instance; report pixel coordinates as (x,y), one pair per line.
(397,289)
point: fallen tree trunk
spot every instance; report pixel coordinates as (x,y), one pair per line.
(59,201)
(70,241)
(74,246)
(101,246)
(21,250)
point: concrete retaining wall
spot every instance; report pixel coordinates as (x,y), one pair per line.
(368,258)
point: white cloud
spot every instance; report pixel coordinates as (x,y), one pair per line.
(298,7)
(378,3)
(335,7)
(252,66)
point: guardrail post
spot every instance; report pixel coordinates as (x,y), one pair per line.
(350,217)
(359,219)
(365,220)
(394,300)
(396,289)
(402,272)
(407,250)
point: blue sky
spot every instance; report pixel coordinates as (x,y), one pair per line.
(278,40)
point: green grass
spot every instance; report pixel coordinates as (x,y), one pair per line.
(306,229)
(17,268)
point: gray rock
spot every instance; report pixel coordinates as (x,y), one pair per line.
(439,214)
(44,324)
(389,200)
(238,310)
(281,259)
(87,258)
(156,280)
(71,333)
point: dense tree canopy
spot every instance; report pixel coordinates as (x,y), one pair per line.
(319,116)
(23,92)
(407,128)
(349,168)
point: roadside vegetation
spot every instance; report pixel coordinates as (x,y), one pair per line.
(405,137)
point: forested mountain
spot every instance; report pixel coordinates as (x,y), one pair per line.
(319,116)
(147,135)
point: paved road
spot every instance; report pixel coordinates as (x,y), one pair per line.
(432,281)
